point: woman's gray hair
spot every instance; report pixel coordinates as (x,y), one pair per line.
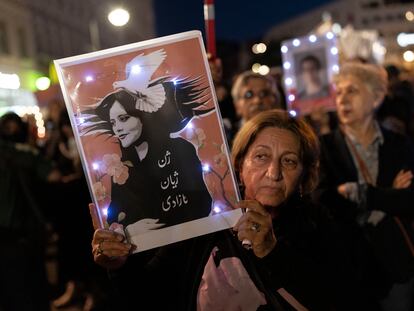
(243,78)
(374,76)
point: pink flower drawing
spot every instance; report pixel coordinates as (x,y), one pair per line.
(220,159)
(99,191)
(113,166)
(196,136)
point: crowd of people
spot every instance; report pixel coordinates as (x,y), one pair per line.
(329,199)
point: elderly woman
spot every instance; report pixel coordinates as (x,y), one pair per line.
(366,180)
(289,263)
(253,93)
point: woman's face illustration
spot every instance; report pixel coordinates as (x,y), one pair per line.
(126,128)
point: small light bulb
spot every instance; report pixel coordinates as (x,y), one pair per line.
(216,209)
(136,69)
(286,65)
(190,125)
(89,78)
(206,168)
(291,97)
(293,113)
(105,211)
(95,166)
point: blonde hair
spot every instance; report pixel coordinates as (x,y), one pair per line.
(309,143)
(375,77)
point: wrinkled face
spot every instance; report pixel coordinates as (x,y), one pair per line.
(272,169)
(126,128)
(255,96)
(355,101)
(310,73)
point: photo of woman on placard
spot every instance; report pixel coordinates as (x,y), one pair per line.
(313,78)
(158,179)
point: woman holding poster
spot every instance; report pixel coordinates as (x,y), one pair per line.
(293,262)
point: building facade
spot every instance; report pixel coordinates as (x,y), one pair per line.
(388,17)
(34,33)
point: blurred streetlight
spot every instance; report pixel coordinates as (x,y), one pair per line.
(118,17)
(256,67)
(259,48)
(408,56)
(42,83)
(264,70)
(409,15)
(405,39)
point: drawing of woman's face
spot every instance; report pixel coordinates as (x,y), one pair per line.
(126,128)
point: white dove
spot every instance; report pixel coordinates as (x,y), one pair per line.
(139,72)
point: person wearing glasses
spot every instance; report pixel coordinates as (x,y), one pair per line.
(253,93)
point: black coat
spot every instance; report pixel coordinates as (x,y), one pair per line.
(142,196)
(392,255)
(307,261)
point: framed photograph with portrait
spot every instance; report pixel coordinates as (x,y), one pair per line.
(149,133)
(309,64)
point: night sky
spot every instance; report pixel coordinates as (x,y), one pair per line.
(236,20)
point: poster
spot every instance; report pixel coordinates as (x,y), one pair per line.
(309,64)
(149,132)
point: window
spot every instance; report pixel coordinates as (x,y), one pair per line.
(4,42)
(22,42)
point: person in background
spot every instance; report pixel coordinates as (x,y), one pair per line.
(253,93)
(23,283)
(366,181)
(224,99)
(397,111)
(51,148)
(321,120)
(277,74)
(75,266)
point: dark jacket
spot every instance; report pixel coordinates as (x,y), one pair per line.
(391,252)
(142,188)
(307,262)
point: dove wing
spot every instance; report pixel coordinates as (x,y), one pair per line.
(150,64)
